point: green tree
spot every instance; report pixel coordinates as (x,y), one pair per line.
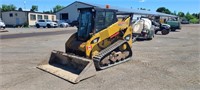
(48,12)
(34,8)
(188,16)
(20,9)
(143,9)
(57,8)
(181,14)
(10,7)
(194,20)
(163,10)
(199,16)
(174,13)
(196,15)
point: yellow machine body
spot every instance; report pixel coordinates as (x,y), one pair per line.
(76,63)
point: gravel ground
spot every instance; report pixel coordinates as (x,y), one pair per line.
(168,62)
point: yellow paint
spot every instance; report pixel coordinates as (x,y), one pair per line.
(104,35)
(82,47)
(109,31)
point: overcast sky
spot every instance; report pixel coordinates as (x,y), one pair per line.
(192,6)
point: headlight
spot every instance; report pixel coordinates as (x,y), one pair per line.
(167,27)
(95,40)
(128,37)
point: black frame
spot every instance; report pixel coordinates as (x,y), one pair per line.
(104,10)
(95,10)
(125,13)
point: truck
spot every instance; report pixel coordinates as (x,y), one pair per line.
(174,23)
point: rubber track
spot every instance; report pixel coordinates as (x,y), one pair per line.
(97,59)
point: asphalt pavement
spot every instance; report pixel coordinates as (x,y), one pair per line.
(168,62)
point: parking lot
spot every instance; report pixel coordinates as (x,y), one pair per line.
(168,62)
(33,30)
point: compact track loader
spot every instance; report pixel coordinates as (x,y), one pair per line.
(101,41)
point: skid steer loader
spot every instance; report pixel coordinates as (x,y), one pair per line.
(101,41)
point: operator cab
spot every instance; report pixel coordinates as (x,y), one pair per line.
(93,20)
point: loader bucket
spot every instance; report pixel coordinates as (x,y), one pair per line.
(68,67)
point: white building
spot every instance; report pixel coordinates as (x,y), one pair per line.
(70,12)
(19,18)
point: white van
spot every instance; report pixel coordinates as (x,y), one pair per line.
(2,24)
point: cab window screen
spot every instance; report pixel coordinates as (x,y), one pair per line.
(100,24)
(109,18)
(104,19)
(85,24)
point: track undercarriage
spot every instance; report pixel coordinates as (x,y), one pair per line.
(113,55)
